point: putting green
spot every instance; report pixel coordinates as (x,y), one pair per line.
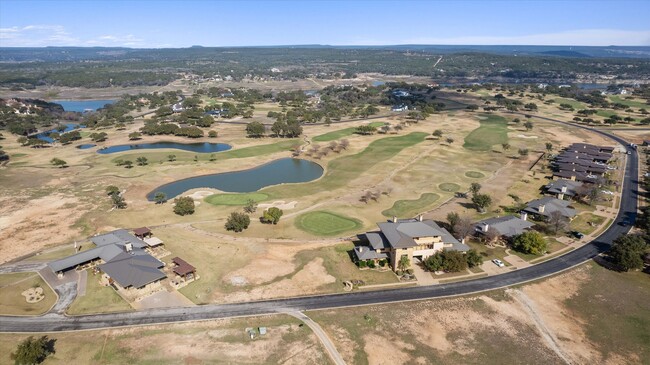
(450,187)
(235,199)
(408,208)
(323,223)
(474,174)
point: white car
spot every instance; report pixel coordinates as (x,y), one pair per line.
(607,192)
(498,262)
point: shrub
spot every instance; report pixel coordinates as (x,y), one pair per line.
(184,205)
(237,222)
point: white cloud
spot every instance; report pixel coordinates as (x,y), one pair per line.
(40,35)
(583,37)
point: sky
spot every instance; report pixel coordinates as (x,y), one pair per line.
(167,23)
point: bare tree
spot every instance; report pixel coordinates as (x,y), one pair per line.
(557,222)
(491,236)
(345,144)
(464,228)
(332,145)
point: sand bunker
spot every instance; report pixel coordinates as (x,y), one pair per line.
(524,136)
(200,195)
(278,204)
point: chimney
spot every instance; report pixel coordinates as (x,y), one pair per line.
(360,248)
(394,219)
(128,247)
(524,216)
(485,227)
(564,189)
(420,217)
(541,208)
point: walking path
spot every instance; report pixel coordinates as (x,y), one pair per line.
(322,336)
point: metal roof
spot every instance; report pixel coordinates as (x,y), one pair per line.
(119,237)
(508,226)
(134,269)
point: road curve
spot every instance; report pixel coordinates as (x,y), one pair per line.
(628,207)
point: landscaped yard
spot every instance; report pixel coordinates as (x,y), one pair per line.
(493,131)
(98,299)
(338,134)
(582,223)
(323,223)
(408,208)
(12,302)
(235,199)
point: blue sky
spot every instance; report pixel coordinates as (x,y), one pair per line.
(155,24)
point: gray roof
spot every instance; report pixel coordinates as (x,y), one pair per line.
(508,226)
(367,253)
(119,237)
(136,268)
(105,253)
(555,187)
(377,240)
(401,234)
(550,205)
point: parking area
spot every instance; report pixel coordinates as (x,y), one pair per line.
(163,299)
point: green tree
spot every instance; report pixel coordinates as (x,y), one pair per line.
(171,158)
(255,129)
(127,164)
(437,133)
(482,201)
(474,188)
(58,162)
(528,125)
(135,135)
(272,215)
(403,263)
(142,161)
(549,146)
(160,197)
(212,134)
(505,146)
(237,222)
(184,205)
(453,261)
(627,252)
(112,189)
(449,140)
(474,259)
(453,218)
(433,263)
(531,242)
(33,351)
(523,152)
(118,201)
(98,137)
(23,140)
(251,206)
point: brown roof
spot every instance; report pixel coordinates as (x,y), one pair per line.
(182,268)
(141,231)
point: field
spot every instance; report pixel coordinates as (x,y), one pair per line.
(338,134)
(235,199)
(13,303)
(326,223)
(493,131)
(409,208)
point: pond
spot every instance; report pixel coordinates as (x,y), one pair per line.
(204,147)
(284,170)
(68,127)
(86,146)
(82,105)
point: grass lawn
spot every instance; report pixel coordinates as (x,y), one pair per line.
(334,135)
(581,223)
(615,310)
(488,253)
(474,174)
(323,223)
(635,103)
(344,169)
(13,303)
(449,187)
(577,105)
(493,131)
(235,199)
(98,299)
(408,208)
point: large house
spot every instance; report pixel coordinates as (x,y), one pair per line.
(121,256)
(563,188)
(543,208)
(416,237)
(507,226)
(582,162)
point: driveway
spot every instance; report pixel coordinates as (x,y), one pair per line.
(163,299)
(424,277)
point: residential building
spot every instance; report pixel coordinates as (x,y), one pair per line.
(506,227)
(399,108)
(543,208)
(413,238)
(563,188)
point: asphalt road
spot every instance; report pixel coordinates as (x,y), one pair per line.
(57,322)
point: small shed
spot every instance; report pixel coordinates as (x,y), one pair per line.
(183,269)
(142,232)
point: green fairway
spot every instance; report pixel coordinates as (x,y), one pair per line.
(474,174)
(252,151)
(450,187)
(631,103)
(235,199)
(344,169)
(323,223)
(408,208)
(577,105)
(493,130)
(334,135)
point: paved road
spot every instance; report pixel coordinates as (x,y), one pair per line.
(628,208)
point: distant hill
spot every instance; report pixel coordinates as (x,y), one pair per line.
(571,54)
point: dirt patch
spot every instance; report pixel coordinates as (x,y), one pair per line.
(380,350)
(31,225)
(278,204)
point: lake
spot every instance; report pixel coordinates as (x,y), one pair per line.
(284,170)
(86,146)
(82,105)
(68,127)
(205,147)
